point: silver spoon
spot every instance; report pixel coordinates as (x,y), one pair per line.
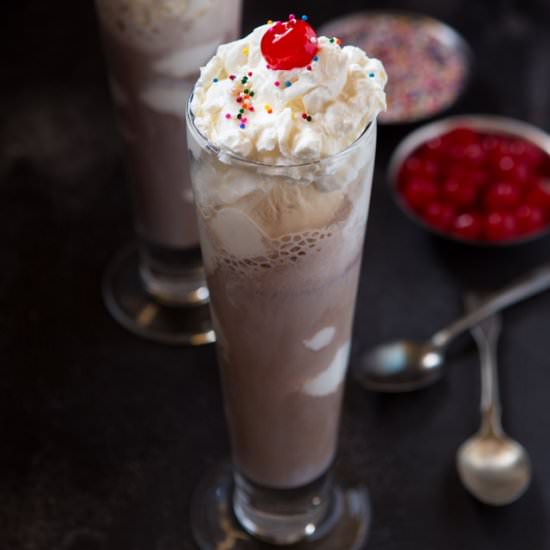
(406,365)
(493,467)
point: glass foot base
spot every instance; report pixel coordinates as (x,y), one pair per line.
(215,527)
(136,310)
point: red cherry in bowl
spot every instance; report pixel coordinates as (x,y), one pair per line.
(540,194)
(468,226)
(459,192)
(500,226)
(419,191)
(502,195)
(530,219)
(289,45)
(439,215)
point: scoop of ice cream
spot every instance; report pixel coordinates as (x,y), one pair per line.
(287,116)
(288,208)
(285,209)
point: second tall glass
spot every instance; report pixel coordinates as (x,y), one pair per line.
(154,51)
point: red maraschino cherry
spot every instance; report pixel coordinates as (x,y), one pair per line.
(289,44)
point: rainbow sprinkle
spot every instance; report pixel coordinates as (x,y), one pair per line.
(243,96)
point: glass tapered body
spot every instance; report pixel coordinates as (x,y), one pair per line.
(282,252)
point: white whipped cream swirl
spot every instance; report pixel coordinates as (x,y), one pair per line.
(342,91)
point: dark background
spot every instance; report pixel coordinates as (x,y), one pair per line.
(103,436)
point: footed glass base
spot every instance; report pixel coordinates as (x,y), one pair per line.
(215,526)
(129,302)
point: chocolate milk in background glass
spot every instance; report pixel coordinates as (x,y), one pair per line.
(155,49)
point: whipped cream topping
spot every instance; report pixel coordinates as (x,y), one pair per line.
(299,115)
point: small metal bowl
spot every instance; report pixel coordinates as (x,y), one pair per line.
(482,123)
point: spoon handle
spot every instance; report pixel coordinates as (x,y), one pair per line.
(486,335)
(534,282)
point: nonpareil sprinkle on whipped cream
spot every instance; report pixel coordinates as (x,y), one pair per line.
(282,95)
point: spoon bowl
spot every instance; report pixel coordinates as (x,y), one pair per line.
(400,366)
(496,470)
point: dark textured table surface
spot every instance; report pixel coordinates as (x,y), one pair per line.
(103,435)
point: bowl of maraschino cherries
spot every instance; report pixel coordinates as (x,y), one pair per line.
(481,180)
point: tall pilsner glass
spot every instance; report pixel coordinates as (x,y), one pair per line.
(154,51)
(282,263)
